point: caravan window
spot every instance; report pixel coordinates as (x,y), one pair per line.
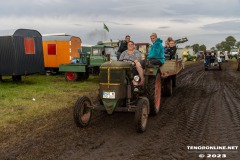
(52,49)
(29,46)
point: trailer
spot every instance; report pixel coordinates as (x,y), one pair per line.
(168,72)
(21,53)
(59,49)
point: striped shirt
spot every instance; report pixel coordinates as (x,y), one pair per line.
(136,55)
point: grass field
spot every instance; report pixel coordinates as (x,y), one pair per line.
(37,95)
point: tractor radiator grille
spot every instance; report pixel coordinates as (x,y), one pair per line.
(116,76)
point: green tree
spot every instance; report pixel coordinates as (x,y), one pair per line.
(225,46)
(203,48)
(230,40)
(219,47)
(213,48)
(195,48)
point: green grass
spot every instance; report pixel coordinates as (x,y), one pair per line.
(50,93)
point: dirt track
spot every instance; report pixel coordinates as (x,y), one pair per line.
(203,111)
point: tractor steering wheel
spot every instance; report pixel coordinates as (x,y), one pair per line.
(129,60)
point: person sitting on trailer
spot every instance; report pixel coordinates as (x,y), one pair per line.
(134,56)
(156,53)
(171,50)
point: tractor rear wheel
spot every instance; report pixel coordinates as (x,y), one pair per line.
(141,115)
(71,76)
(153,91)
(82,112)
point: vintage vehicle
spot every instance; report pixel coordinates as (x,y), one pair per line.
(211,61)
(59,49)
(233,53)
(21,53)
(117,92)
(80,68)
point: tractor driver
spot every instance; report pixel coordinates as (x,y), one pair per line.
(135,57)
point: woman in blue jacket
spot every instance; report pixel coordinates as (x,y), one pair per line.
(156,53)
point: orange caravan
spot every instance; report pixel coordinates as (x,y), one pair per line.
(59,50)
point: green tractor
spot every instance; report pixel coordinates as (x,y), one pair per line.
(89,62)
(188,57)
(117,92)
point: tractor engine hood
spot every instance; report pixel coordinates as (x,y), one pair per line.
(113,83)
(116,65)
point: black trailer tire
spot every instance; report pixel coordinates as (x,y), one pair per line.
(153,91)
(238,67)
(82,113)
(71,76)
(84,76)
(220,66)
(167,87)
(141,115)
(174,81)
(17,78)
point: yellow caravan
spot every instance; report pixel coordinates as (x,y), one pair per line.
(59,50)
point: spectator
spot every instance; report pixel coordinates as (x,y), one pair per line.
(123,46)
(156,54)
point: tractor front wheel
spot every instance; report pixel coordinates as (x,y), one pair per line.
(141,115)
(82,112)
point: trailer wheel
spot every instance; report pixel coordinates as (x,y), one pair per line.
(71,76)
(17,78)
(141,115)
(174,81)
(220,66)
(83,76)
(154,84)
(82,113)
(167,87)
(238,67)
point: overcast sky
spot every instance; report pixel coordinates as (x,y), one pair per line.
(201,21)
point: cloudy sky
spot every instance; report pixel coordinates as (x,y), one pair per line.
(201,21)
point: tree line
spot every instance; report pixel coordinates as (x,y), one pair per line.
(229,43)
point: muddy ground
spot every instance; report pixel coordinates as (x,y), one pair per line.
(203,111)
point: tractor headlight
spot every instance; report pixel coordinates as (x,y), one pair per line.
(136,78)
